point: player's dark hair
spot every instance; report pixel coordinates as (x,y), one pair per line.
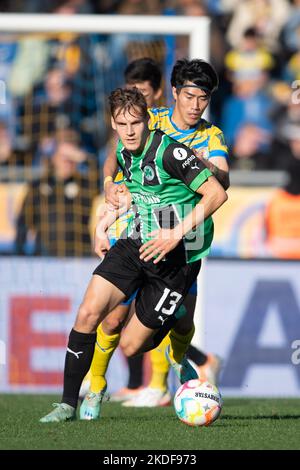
(127,100)
(141,70)
(197,71)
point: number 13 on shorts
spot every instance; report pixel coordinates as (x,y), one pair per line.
(171,298)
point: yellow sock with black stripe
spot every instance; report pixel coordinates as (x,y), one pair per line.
(104,348)
(180,344)
(160,365)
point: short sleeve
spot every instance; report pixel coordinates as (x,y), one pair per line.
(180,163)
(216,144)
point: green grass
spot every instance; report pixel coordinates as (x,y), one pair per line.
(244,424)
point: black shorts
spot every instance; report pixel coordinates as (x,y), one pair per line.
(161,287)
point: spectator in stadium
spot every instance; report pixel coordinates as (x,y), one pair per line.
(122,47)
(250,57)
(11,159)
(283,210)
(266,16)
(291,70)
(5,146)
(246,119)
(287,120)
(57,206)
(291,35)
(46,109)
(8,52)
(199,8)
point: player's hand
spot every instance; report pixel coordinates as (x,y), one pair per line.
(112,194)
(101,242)
(163,241)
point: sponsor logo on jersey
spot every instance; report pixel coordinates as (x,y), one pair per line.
(188,161)
(180,153)
(149,173)
(146,198)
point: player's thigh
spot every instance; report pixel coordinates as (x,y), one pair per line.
(115,320)
(100,298)
(136,337)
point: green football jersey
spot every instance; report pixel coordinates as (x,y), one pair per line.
(162,181)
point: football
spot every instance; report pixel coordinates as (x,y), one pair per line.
(198,403)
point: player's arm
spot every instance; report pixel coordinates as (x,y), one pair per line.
(213,196)
(106,218)
(217,161)
(110,170)
(219,168)
(198,178)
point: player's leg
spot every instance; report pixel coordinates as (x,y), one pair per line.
(108,335)
(135,366)
(207,364)
(100,298)
(180,337)
(138,338)
(159,362)
(157,306)
(116,278)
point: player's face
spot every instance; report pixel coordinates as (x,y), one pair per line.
(150,95)
(132,129)
(190,105)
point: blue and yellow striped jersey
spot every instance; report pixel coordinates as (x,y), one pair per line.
(206,138)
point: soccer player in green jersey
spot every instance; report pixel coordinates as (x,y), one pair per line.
(193,82)
(145,75)
(174,196)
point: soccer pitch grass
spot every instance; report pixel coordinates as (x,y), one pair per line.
(243,424)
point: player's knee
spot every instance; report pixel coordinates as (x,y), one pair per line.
(112,324)
(183,328)
(88,317)
(129,348)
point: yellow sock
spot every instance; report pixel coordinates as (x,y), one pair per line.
(180,344)
(160,365)
(104,348)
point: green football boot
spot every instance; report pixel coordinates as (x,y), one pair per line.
(184,370)
(91,406)
(62,412)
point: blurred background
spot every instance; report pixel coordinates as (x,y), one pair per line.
(54,135)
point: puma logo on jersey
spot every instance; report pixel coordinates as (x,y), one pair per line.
(162,319)
(195,167)
(75,353)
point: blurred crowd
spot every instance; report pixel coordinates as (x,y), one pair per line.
(53,87)
(255,47)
